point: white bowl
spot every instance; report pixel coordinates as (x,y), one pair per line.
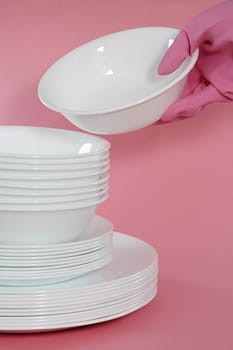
(44,227)
(52,175)
(98,234)
(54,162)
(28,200)
(46,224)
(60,162)
(26,192)
(54,205)
(66,187)
(40,167)
(111,85)
(28,142)
(52,184)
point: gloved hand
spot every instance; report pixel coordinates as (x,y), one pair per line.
(212,77)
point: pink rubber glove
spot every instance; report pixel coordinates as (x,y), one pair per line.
(212,77)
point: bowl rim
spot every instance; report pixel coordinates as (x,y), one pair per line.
(104,179)
(192,61)
(5,164)
(17,176)
(71,156)
(29,200)
(14,167)
(15,192)
(46,208)
(32,159)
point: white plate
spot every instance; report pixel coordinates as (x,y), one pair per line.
(62,326)
(38,142)
(46,271)
(44,279)
(131,257)
(77,305)
(99,229)
(50,258)
(22,296)
(76,298)
(77,318)
(81,307)
(19,258)
(43,264)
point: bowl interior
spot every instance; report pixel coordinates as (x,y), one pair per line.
(113,72)
(48,142)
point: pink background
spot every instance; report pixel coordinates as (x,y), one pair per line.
(170,185)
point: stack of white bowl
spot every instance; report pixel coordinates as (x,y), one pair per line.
(51,182)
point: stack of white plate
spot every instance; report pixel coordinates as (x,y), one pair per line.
(51,182)
(61,265)
(34,265)
(126,284)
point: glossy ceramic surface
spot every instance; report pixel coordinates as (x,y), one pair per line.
(111,85)
(98,232)
(36,142)
(6,199)
(113,291)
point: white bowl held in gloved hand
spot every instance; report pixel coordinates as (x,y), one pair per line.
(111,85)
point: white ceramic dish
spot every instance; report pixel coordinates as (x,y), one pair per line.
(98,234)
(75,304)
(37,142)
(84,311)
(51,162)
(131,259)
(22,192)
(64,295)
(111,85)
(56,262)
(14,169)
(78,306)
(37,206)
(78,262)
(51,166)
(52,277)
(33,200)
(57,185)
(50,256)
(76,299)
(24,226)
(67,325)
(43,264)
(98,229)
(79,319)
(19,258)
(54,175)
